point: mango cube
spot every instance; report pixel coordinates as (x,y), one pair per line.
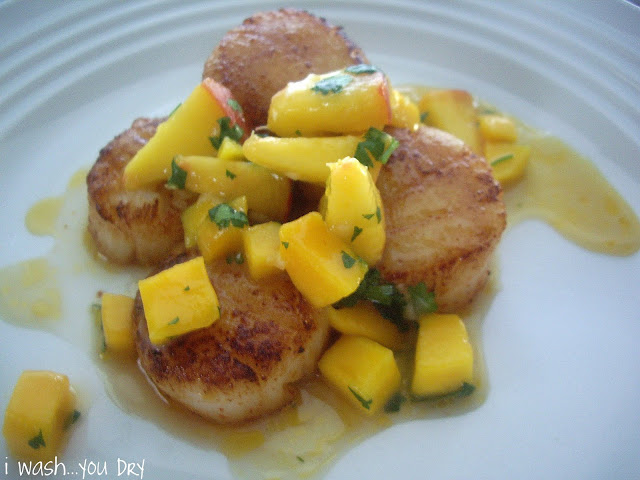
(262,250)
(117,323)
(508,161)
(178,300)
(365,320)
(497,128)
(219,238)
(453,111)
(186,132)
(300,158)
(39,412)
(230,150)
(339,102)
(320,265)
(363,371)
(268,194)
(444,356)
(353,209)
(404,112)
(195,215)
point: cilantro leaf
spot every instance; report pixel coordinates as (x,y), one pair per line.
(37,441)
(178,178)
(235,106)
(365,403)
(347,260)
(230,174)
(332,84)
(71,419)
(422,300)
(234,132)
(377,145)
(394,403)
(356,231)
(361,68)
(224,215)
(501,159)
(174,321)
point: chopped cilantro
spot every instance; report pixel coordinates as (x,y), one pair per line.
(300,459)
(175,108)
(237,258)
(37,441)
(422,300)
(333,84)
(285,244)
(187,288)
(368,216)
(501,159)
(361,68)
(347,260)
(178,178)
(234,132)
(224,215)
(377,145)
(365,403)
(298,133)
(379,213)
(71,419)
(174,321)
(230,174)
(356,231)
(386,297)
(394,403)
(235,106)
(423,117)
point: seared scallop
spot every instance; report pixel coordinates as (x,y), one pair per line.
(269,49)
(444,216)
(245,364)
(132,227)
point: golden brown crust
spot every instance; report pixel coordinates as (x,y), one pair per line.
(444,216)
(140,226)
(240,367)
(269,49)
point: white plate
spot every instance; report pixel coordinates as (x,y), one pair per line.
(560,338)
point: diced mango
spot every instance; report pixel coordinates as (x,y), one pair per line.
(404,112)
(365,320)
(268,194)
(353,209)
(38,415)
(337,102)
(195,215)
(230,150)
(444,356)
(508,160)
(321,266)
(117,323)
(262,249)
(300,158)
(217,241)
(453,111)
(497,128)
(186,132)
(362,370)
(178,300)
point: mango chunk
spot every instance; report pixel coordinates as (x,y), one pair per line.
(508,161)
(186,132)
(321,266)
(230,150)
(404,112)
(497,128)
(444,356)
(220,233)
(117,323)
(365,320)
(268,194)
(178,300)
(300,158)
(339,102)
(38,415)
(363,371)
(262,250)
(353,209)
(195,215)
(453,111)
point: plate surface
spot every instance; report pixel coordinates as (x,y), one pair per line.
(560,338)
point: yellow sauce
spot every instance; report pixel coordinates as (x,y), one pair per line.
(303,439)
